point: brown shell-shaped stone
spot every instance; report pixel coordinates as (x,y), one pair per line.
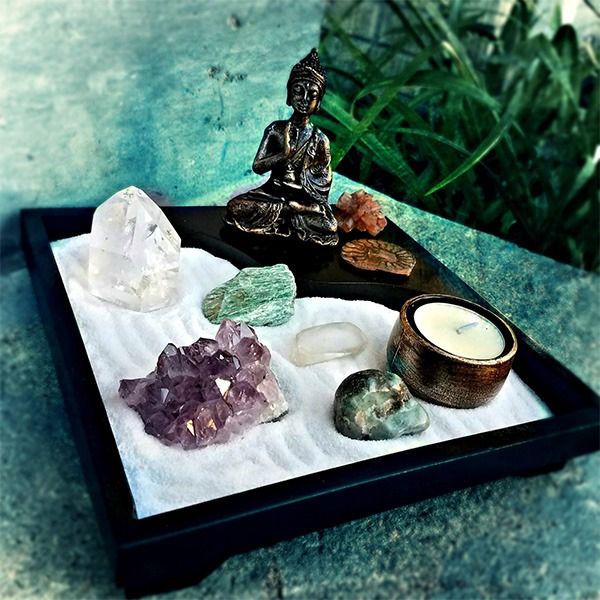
(376,255)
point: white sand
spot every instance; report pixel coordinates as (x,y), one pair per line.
(124,344)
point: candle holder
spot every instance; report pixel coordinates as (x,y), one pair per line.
(440,376)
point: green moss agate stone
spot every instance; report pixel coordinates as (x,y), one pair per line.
(373,405)
(256,296)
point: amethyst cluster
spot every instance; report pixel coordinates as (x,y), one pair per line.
(204,393)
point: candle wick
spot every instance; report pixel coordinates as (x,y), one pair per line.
(467,326)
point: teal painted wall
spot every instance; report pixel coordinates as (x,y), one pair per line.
(169,96)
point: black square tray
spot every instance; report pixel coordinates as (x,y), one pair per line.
(180,547)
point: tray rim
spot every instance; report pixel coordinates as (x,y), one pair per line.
(134,544)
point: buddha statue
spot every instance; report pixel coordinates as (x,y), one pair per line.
(294,199)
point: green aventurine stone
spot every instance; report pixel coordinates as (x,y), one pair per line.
(373,405)
(256,296)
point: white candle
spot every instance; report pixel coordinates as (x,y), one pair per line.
(459,330)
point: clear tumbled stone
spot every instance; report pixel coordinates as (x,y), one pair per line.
(327,342)
(133,252)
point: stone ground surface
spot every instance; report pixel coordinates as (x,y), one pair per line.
(96,96)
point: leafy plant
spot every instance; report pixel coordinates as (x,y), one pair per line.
(496,128)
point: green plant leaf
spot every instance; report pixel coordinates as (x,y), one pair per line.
(456,8)
(387,157)
(405,113)
(345,74)
(446,36)
(351,8)
(576,252)
(586,173)
(541,47)
(366,164)
(453,84)
(591,120)
(565,42)
(362,59)
(406,23)
(430,135)
(487,144)
(508,220)
(380,104)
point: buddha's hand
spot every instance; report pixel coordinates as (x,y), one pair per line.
(287,149)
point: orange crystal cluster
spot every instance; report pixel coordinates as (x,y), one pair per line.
(360,211)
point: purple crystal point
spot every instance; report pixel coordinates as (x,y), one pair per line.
(157,423)
(220,364)
(231,333)
(208,391)
(200,348)
(252,373)
(251,351)
(172,364)
(244,397)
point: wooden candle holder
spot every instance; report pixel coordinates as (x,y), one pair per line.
(439,376)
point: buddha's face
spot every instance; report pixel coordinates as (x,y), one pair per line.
(304,96)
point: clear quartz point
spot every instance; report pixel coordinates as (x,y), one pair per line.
(133,253)
(327,342)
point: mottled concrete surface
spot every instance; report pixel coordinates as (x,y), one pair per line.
(97,95)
